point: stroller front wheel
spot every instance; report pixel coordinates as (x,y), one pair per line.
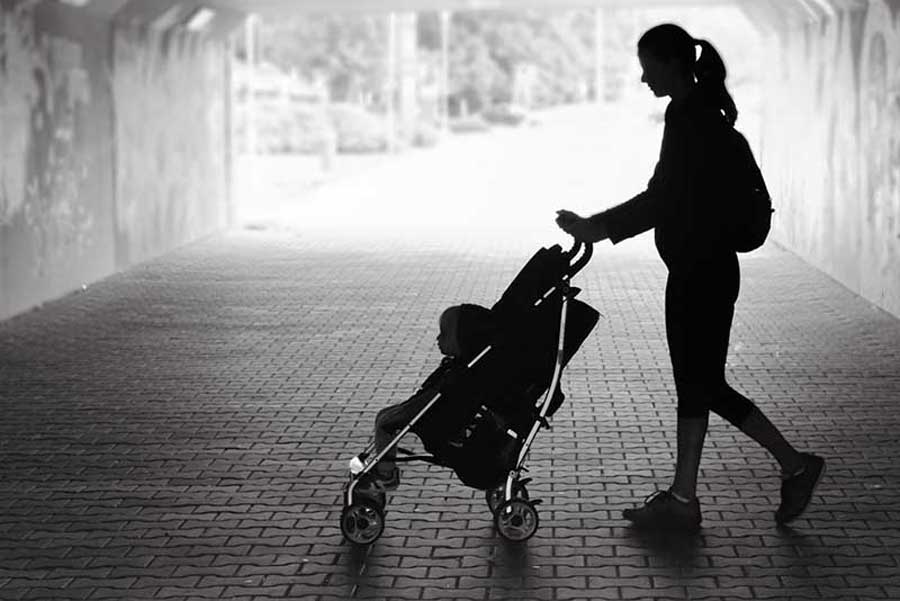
(362,522)
(516,520)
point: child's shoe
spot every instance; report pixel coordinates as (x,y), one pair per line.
(389,480)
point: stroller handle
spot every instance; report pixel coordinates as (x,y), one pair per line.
(579,264)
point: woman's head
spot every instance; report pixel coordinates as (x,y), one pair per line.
(668,56)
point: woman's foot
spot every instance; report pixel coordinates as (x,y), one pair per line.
(664,511)
(797,488)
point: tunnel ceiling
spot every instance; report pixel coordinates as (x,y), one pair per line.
(765,13)
(218,17)
(280,7)
(798,8)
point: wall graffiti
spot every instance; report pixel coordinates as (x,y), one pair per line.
(44,92)
(113,146)
(832,147)
(880,136)
(19,58)
(56,167)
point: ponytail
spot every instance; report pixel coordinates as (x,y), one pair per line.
(710,73)
(671,42)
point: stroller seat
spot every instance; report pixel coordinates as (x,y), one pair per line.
(483,418)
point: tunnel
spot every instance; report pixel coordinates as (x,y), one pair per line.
(89,189)
(195,345)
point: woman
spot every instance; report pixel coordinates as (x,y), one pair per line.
(683,203)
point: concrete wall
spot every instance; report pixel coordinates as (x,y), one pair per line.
(831,145)
(56,186)
(169,94)
(112,147)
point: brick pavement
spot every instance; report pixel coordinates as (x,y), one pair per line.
(181,430)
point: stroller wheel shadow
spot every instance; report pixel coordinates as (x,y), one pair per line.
(512,562)
(356,560)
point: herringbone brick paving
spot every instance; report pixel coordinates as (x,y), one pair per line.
(181,431)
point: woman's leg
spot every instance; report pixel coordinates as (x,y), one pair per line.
(699,312)
(677,507)
(800,471)
(691,434)
(746,417)
(693,333)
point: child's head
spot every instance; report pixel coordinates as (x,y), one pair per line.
(464,330)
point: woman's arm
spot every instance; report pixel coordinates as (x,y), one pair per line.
(628,219)
(632,217)
(671,180)
(669,183)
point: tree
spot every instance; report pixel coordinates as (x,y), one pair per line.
(347,51)
(487,49)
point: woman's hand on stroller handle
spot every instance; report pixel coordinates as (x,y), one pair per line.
(581,228)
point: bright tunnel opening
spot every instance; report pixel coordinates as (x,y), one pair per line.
(476,121)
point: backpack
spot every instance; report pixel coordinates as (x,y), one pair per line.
(749,211)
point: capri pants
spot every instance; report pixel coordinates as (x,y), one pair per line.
(699,311)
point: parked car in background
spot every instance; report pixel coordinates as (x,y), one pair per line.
(505,113)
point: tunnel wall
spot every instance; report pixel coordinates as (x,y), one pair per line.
(112,147)
(831,145)
(169,94)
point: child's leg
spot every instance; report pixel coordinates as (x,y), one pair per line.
(387,423)
(390,421)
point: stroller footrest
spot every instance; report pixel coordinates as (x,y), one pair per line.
(409,458)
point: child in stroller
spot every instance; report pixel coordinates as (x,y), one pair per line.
(464,330)
(480,411)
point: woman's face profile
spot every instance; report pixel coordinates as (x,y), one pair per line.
(657,73)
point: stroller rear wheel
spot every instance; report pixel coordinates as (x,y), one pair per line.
(516,520)
(495,496)
(362,522)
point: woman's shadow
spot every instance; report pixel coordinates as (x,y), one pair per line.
(674,549)
(682,552)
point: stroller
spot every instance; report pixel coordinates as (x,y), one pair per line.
(482,422)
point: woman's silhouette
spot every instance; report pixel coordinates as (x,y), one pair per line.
(685,204)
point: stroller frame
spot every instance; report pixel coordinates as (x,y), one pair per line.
(515,516)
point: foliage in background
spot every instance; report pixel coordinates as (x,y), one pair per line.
(502,63)
(499,62)
(347,52)
(486,48)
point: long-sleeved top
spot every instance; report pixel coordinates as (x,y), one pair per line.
(684,200)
